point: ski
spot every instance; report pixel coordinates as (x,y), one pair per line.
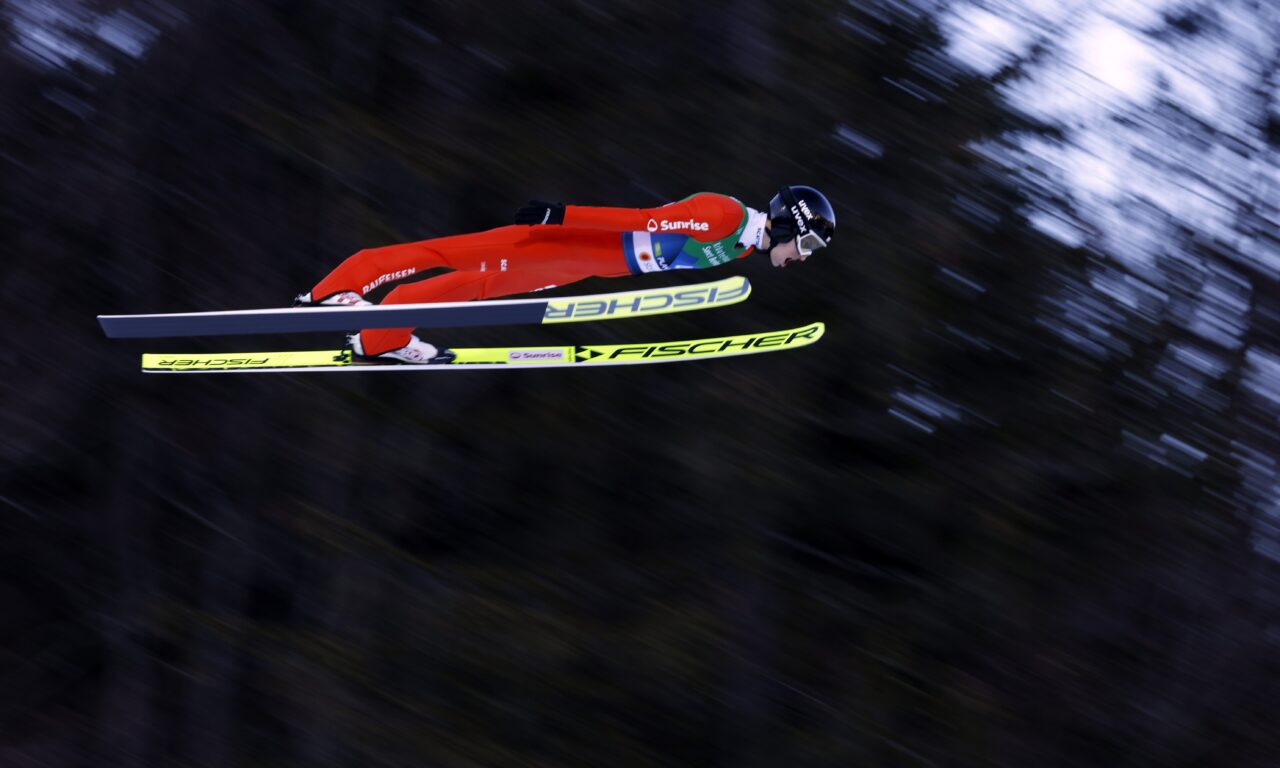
(566,309)
(524,358)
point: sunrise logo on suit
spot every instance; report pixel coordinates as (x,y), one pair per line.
(694,226)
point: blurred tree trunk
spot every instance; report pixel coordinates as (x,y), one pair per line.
(749,56)
(332,606)
(749,603)
(1261,225)
(321,731)
(754,54)
(127,729)
(226,572)
(345,619)
(356,40)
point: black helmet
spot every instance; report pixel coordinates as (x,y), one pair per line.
(802,213)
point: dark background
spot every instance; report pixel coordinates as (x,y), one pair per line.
(927,540)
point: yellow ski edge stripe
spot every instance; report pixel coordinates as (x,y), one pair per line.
(245,360)
(514,356)
(647,302)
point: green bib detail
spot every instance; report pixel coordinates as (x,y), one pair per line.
(717,252)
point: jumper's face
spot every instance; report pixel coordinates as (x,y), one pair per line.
(784,254)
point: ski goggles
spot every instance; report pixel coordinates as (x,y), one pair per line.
(809,242)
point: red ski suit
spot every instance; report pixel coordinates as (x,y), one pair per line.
(518,258)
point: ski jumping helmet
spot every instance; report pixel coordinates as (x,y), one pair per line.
(802,213)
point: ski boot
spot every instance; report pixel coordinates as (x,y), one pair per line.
(339,299)
(416,352)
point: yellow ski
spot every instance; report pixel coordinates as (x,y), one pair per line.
(591,355)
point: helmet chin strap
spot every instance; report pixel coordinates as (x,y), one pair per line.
(779,233)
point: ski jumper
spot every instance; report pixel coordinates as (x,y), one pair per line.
(703,230)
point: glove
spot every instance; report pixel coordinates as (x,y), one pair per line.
(538,212)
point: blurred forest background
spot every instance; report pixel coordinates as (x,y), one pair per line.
(1017,508)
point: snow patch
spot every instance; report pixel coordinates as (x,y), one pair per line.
(984,41)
